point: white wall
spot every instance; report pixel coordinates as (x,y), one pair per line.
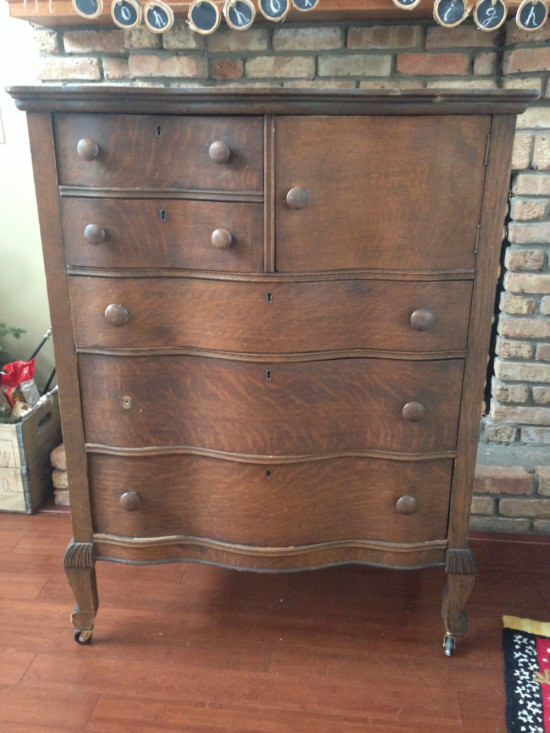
(23,299)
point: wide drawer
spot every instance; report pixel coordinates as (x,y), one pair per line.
(160,151)
(162,233)
(399,193)
(298,408)
(272,317)
(270,505)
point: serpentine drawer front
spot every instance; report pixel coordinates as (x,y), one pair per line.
(271,313)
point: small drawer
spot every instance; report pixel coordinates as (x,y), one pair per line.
(149,151)
(141,233)
(261,408)
(270,505)
(273,317)
(391,193)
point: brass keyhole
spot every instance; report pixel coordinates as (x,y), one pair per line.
(126,402)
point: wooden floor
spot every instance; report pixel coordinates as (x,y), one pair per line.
(185,647)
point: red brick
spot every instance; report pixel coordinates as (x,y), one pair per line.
(115,68)
(84,41)
(516,305)
(521,153)
(514,349)
(524,507)
(543,476)
(528,209)
(543,352)
(58,68)
(362,64)
(226,69)
(459,37)
(514,34)
(279,67)
(501,433)
(527,59)
(522,371)
(315,38)
(517,282)
(525,259)
(532,184)
(485,63)
(524,328)
(385,36)
(483,505)
(530,233)
(141,38)
(225,40)
(502,480)
(516,414)
(541,395)
(505,392)
(158,66)
(181,37)
(430,64)
(45,41)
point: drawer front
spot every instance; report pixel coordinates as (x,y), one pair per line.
(397,193)
(162,233)
(273,317)
(271,409)
(271,505)
(160,151)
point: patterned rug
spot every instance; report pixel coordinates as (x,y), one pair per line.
(527,675)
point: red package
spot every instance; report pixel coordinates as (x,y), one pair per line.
(17,382)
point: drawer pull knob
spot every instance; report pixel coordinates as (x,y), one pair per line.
(116,314)
(422,319)
(413,411)
(297,198)
(221,239)
(405,505)
(130,501)
(219,152)
(94,234)
(87,149)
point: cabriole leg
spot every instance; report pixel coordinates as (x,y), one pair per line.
(80,571)
(460,567)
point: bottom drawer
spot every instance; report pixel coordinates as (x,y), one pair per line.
(271,505)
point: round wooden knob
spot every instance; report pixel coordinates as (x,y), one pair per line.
(422,319)
(219,152)
(406,505)
(297,198)
(116,314)
(413,411)
(130,501)
(87,149)
(221,239)
(94,234)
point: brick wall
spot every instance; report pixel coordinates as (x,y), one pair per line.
(513,473)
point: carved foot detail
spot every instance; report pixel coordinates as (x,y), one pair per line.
(460,567)
(80,570)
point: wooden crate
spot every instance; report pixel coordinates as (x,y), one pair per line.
(25,446)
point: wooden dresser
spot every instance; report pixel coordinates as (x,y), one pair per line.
(271,313)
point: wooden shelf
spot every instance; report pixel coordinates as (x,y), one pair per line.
(63,13)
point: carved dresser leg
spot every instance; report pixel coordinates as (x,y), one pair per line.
(460,567)
(80,571)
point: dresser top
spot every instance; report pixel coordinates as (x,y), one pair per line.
(245,101)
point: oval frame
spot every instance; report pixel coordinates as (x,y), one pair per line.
(520,8)
(195,27)
(480,26)
(305,10)
(229,4)
(136,5)
(410,6)
(86,15)
(438,19)
(279,18)
(165,8)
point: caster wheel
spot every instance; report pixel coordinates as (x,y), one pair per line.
(83,637)
(449,645)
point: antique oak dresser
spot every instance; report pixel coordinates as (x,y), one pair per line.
(271,312)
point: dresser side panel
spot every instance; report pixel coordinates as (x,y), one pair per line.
(46,182)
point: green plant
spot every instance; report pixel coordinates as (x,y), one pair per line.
(6,330)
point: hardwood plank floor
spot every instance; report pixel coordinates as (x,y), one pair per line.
(194,648)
